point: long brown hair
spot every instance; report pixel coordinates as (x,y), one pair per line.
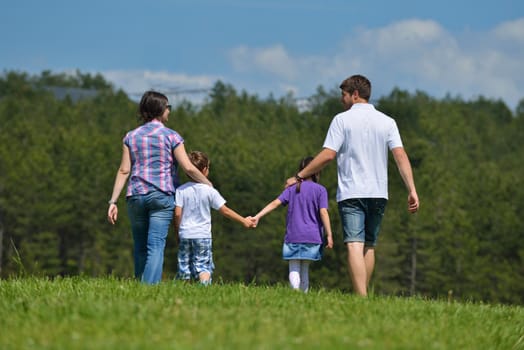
(152,105)
(303,163)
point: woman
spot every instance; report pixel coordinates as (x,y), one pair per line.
(151,155)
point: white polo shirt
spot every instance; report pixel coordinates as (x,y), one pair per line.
(196,201)
(362,136)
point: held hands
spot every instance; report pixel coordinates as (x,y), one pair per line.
(250,222)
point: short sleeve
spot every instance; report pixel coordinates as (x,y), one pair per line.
(217,201)
(179,202)
(284,196)
(394,139)
(176,139)
(335,135)
(323,200)
(126,140)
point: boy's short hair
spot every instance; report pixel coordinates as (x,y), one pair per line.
(359,83)
(199,159)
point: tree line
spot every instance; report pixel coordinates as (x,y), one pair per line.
(59,156)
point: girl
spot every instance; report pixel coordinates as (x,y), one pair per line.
(307,214)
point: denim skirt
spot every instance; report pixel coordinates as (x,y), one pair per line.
(302,251)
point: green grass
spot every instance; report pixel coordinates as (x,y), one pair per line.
(83,313)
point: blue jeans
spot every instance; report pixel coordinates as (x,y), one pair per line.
(150,217)
(361,219)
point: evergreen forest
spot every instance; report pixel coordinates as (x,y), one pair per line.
(59,153)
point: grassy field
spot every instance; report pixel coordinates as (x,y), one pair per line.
(84,313)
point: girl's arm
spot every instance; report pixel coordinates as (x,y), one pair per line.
(188,167)
(267,209)
(233,215)
(324,216)
(120,181)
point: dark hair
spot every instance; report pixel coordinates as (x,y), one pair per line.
(303,163)
(359,83)
(199,159)
(152,105)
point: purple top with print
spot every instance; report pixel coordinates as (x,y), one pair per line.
(303,224)
(153,166)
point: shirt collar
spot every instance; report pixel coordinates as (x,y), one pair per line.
(155,121)
(363,106)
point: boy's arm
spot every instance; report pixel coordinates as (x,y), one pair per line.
(233,215)
(324,216)
(178,217)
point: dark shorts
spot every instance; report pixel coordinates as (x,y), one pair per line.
(361,219)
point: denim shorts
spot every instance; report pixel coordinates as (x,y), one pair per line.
(302,251)
(194,257)
(361,219)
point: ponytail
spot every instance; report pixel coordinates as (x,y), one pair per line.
(303,163)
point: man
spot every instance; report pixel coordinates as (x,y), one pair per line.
(359,138)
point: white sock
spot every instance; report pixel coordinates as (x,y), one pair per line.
(304,275)
(294,273)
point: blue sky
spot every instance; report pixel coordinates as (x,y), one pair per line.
(462,48)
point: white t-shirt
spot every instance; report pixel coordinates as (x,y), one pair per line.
(362,136)
(196,201)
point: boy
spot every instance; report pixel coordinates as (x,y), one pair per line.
(193,203)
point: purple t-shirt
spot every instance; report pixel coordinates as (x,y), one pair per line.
(303,224)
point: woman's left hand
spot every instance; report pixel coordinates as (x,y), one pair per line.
(112,213)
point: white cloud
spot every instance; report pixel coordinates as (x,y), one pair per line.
(412,54)
(176,85)
(406,35)
(274,60)
(512,31)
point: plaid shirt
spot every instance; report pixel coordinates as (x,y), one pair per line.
(153,166)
